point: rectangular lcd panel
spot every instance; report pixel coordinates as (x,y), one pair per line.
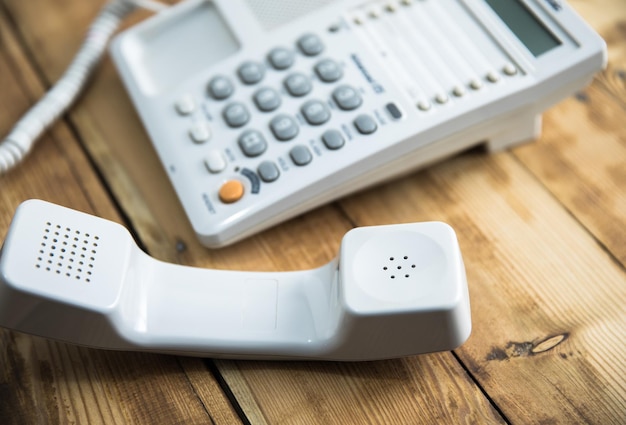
(530,31)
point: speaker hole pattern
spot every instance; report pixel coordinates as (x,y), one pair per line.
(399,267)
(67,252)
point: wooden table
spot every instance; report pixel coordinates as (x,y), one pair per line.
(542,228)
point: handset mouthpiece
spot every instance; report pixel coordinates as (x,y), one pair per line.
(394,291)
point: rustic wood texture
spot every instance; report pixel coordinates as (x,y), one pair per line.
(47,382)
(542,228)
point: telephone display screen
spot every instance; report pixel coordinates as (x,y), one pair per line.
(523,23)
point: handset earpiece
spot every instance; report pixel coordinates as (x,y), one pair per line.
(394,291)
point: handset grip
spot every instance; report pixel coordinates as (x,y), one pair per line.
(394,291)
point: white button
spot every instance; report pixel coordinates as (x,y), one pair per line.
(492,77)
(390,7)
(215,161)
(509,69)
(458,91)
(475,84)
(441,98)
(200,132)
(185,105)
(423,105)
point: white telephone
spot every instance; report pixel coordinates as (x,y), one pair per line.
(394,291)
(263,110)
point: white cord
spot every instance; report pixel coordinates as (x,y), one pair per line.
(59,98)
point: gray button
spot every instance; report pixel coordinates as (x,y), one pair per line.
(284,127)
(280,58)
(393,110)
(236,114)
(300,155)
(328,70)
(333,139)
(298,84)
(347,98)
(315,112)
(268,171)
(220,87)
(252,143)
(266,99)
(310,44)
(365,124)
(250,72)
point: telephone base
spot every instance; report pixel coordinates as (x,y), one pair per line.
(521,129)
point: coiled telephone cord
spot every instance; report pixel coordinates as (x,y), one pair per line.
(60,97)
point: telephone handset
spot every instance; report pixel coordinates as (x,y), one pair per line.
(394,291)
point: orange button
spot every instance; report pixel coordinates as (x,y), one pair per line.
(231,191)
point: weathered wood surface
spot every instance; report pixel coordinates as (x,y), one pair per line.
(542,228)
(47,382)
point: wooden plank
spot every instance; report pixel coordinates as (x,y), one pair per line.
(421,389)
(607,18)
(542,349)
(547,297)
(582,156)
(547,300)
(43,381)
(141,188)
(585,166)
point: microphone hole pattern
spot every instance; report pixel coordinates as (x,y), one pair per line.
(399,267)
(67,252)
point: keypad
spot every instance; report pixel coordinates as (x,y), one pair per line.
(281,58)
(284,127)
(347,98)
(252,143)
(220,87)
(315,112)
(333,139)
(257,118)
(266,99)
(298,84)
(310,45)
(268,171)
(236,114)
(300,155)
(328,70)
(250,72)
(365,124)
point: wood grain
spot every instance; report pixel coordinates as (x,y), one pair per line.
(47,382)
(541,228)
(423,389)
(545,253)
(585,167)
(582,157)
(546,301)
(161,228)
